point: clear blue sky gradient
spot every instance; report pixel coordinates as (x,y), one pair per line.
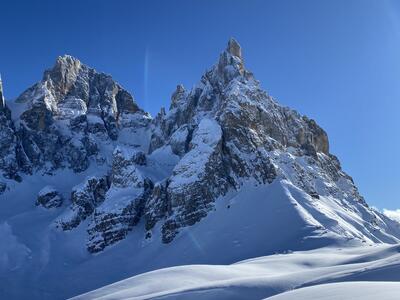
(335,61)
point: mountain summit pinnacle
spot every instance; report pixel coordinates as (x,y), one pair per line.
(234,48)
(230,64)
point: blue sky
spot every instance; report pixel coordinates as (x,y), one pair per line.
(335,61)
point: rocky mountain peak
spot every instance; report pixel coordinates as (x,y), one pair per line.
(71,87)
(227,130)
(64,73)
(66,117)
(234,48)
(231,64)
(65,63)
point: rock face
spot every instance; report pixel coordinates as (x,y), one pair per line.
(168,172)
(85,198)
(10,148)
(124,201)
(49,197)
(117,216)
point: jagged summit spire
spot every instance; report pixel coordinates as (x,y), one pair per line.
(178,95)
(231,64)
(234,48)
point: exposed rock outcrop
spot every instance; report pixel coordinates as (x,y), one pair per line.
(124,201)
(113,220)
(85,198)
(49,197)
(9,145)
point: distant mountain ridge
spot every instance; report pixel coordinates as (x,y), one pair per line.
(81,161)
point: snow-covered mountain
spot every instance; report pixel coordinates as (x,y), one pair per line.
(93,190)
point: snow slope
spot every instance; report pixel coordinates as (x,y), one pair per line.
(345,291)
(258,220)
(332,273)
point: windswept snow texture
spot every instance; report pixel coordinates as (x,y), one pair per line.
(329,273)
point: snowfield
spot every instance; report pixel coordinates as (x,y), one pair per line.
(257,221)
(367,273)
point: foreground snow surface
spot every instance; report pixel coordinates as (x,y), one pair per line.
(370,272)
(345,291)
